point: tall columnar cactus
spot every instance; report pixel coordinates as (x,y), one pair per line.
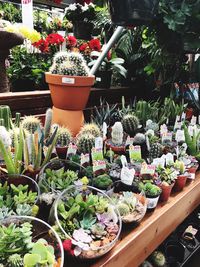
(91,128)
(30,123)
(5,114)
(64,137)
(117,133)
(69,63)
(85,143)
(130,124)
(17,119)
(48,121)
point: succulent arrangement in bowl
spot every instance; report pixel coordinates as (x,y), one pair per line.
(88,217)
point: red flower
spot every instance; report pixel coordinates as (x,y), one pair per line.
(42,45)
(83,2)
(95,45)
(83,47)
(55,39)
(67,245)
(71,41)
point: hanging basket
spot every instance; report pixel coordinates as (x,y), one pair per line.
(132,12)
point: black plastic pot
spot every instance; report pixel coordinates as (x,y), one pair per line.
(83,30)
(103,79)
(132,12)
(175,251)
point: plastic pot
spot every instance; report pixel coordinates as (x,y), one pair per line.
(152,202)
(166,191)
(61,152)
(180,182)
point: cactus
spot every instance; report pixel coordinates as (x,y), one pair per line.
(17,119)
(64,137)
(5,114)
(69,63)
(158,258)
(30,123)
(130,124)
(117,133)
(48,121)
(2,122)
(15,260)
(85,143)
(123,209)
(155,151)
(91,128)
(139,139)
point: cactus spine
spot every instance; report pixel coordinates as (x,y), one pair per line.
(5,114)
(48,121)
(69,63)
(15,260)
(85,143)
(63,137)
(117,133)
(130,124)
(30,123)
(90,128)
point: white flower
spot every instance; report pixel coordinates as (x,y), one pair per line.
(72,7)
(84,8)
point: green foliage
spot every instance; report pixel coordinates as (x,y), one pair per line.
(102,181)
(150,189)
(15,260)
(192,142)
(10,12)
(88,221)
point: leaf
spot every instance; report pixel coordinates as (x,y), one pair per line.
(6,154)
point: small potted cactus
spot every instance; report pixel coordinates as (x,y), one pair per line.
(116,143)
(63,139)
(85,142)
(69,81)
(152,193)
(182,176)
(130,124)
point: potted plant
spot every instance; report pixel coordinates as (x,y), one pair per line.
(102,182)
(63,140)
(116,143)
(181,177)
(81,17)
(166,181)
(152,193)
(69,81)
(134,12)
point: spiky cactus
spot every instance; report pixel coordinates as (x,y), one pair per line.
(155,151)
(69,63)
(48,121)
(85,143)
(91,128)
(130,124)
(64,137)
(158,258)
(30,123)
(117,133)
(5,114)
(15,260)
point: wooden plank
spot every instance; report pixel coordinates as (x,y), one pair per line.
(137,244)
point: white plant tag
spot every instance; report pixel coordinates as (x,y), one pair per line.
(147,142)
(99,165)
(147,169)
(177,125)
(129,140)
(124,161)
(99,142)
(183,117)
(166,137)
(67,80)
(190,130)
(163,129)
(85,158)
(159,162)
(169,158)
(180,136)
(71,149)
(193,120)
(104,130)
(127,175)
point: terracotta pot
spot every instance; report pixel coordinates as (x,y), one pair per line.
(180,182)
(192,170)
(69,92)
(61,152)
(117,149)
(166,191)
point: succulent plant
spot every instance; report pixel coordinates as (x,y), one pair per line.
(30,123)
(139,139)
(91,128)
(98,229)
(158,258)
(88,221)
(152,126)
(24,209)
(155,151)
(15,260)
(117,133)
(102,181)
(69,63)
(85,143)
(123,209)
(64,137)
(48,121)
(5,115)
(130,124)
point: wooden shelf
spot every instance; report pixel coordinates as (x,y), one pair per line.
(136,245)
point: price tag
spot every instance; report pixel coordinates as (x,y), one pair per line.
(99,143)
(85,158)
(99,165)
(129,140)
(159,162)
(104,129)
(190,130)
(166,138)
(180,136)
(163,129)
(178,118)
(124,161)
(177,125)
(134,153)
(193,120)
(147,169)
(169,159)
(71,149)
(127,175)
(97,154)
(183,116)
(68,80)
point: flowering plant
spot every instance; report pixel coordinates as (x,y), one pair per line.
(50,43)
(58,24)
(77,12)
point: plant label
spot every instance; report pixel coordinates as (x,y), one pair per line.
(147,143)
(147,169)
(97,154)
(124,161)
(129,141)
(180,136)
(163,129)
(169,159)
(104,130)
(99,165)
(193,120)
(135,153)
(71,149)
(127,175)
(159,162)
(183,116)
(190,130)
(67,80)
(99,143)
(178,118)
(166,138)
(85,158)
(177,125)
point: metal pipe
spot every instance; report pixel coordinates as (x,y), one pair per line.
(107,47)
